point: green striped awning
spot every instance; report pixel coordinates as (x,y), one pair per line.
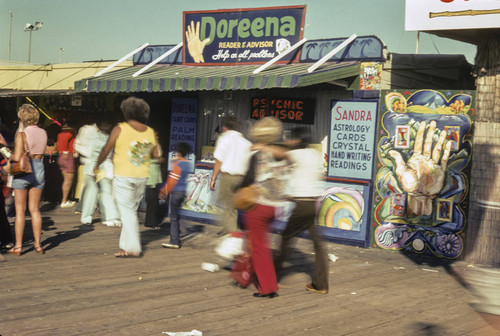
(164,78)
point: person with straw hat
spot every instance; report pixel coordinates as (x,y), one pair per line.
(268,175)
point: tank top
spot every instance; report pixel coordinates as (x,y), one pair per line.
(132,152)
(36,138)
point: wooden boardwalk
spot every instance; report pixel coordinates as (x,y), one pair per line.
(79,288)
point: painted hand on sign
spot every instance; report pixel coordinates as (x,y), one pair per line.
(195,45)
(422,177)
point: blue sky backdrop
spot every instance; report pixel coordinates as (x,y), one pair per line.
(109,29)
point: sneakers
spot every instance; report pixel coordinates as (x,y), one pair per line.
(311,288)
(113,222)
(68,204)
(172,246)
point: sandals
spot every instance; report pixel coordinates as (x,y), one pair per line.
(39,249)
(312,288)
(125,254)
(16,250)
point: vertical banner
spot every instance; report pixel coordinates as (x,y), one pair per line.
(183,121)
(352,138)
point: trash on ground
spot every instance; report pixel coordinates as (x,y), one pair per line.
(332,257)
(354,293)
(210,267)
(429,270)
(399,267)
(193,332)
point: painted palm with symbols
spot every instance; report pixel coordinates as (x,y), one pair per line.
(195,45)
(423,175)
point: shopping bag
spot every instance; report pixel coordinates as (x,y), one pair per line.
(242,272)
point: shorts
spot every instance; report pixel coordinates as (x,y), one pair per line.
(66,163)
(33,180)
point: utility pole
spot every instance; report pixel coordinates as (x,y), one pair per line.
(10,33)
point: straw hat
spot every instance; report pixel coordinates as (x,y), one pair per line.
(266,130)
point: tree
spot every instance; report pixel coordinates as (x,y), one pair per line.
(483,236)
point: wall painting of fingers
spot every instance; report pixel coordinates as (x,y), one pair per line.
(422,171)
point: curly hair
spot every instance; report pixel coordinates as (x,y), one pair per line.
(134,108)
(28,114)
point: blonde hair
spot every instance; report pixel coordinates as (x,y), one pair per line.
(28,114)
(266,130)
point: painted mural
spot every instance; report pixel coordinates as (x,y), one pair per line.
(423,164)
(199,197)
(342,213)
(343,210)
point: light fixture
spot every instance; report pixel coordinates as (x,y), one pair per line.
(29,28)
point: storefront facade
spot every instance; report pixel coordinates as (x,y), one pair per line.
(342,101)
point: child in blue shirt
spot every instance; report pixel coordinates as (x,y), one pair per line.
(176,186)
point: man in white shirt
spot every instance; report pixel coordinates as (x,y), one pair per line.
(232,154)
(83,148)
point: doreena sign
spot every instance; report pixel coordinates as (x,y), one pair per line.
(241,36)
(451,14)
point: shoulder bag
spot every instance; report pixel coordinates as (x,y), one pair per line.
(245,198)
(23,166)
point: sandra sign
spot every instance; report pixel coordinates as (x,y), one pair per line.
(452,14)
(239,36)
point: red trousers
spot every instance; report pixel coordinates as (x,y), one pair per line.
(257,222)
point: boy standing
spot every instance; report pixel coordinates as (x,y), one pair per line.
(176,187)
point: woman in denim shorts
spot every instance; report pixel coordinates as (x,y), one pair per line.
(29,186)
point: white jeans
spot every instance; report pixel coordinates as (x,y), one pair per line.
(129,192)
(98,192)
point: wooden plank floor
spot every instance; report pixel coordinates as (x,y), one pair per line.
(79,288)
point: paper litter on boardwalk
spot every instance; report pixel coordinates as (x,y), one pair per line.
(193,332)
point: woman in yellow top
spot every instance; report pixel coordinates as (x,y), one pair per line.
(134,145)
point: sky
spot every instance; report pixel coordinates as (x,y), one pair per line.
(89,30)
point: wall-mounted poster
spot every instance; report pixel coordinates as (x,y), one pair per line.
(423,164)
(352,138)
(241,36)
(370,76)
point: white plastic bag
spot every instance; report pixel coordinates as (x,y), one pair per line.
(230,245)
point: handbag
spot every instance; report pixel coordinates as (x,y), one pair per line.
(245,198)
(23,166)
(242,271)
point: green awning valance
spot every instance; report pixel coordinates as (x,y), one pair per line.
(164,78)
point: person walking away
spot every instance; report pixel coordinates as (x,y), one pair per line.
(134,145)
(269,175)
(66,161)
(83,148)
(52,192)
(305,186)
(176,187)
(28,186)
(232,153)
(6,239)
(153,215)
(99,188)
